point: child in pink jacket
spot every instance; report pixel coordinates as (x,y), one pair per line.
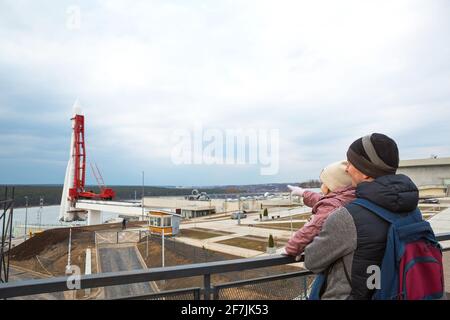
(337,192)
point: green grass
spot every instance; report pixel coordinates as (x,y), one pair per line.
(246,243)
(281,226)
(252,242)
(302,216)
(199,234)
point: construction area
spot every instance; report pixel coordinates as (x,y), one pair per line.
(114,249)
(209,238)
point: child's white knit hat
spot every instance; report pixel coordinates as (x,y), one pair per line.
(334,176)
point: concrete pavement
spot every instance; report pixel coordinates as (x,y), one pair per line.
(441,224)
(123,258)
(231,225)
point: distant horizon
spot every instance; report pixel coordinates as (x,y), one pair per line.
(158,186)
(218,93)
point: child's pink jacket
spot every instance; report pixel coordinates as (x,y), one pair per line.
(322,207)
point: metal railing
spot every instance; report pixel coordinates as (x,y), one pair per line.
(289,286)
(59,284)
(6,219)
(180,294)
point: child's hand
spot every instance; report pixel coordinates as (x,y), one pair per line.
(282,251)
(296,191)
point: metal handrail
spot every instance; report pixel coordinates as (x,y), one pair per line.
(58,284)
(170,293)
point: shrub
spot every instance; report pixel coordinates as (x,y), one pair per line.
(271,242)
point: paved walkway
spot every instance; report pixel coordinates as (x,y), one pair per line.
(123,258)
(441,224)
(231,225)
(212,244)
(447,273)
(219,247)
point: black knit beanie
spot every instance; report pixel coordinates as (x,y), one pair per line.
(374,155)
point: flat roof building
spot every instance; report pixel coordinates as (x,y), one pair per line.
(431,174)
(195,212)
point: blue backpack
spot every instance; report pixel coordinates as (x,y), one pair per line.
(412,267)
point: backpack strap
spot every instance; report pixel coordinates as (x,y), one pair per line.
(347,276)
(325,280)
(346,273)
(399,220)
(379,211)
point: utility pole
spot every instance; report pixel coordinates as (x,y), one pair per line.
(292,229)
(148,234)
(26,217)
(290,215)
(162,251)
(69,250)
(146,254)
(39,214)
(143,193)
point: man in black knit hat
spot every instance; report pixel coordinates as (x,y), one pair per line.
(372,157)
(353,238)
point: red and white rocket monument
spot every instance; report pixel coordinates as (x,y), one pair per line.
(74,182)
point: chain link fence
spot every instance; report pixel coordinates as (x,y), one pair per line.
(193,253)
(119,237)
(249,284)
(183,294)
(281,287)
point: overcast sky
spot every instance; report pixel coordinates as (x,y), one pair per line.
(323,73)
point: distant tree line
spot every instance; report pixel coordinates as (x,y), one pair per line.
(311,184)
(52,193)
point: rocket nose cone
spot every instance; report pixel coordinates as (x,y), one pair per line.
(77,108)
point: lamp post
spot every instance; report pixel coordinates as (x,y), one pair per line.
(146,248)
(26,217)
(143,192)
(239,210)
(69,251)
(162,251)
(290,216)
(148,234)
(292,229)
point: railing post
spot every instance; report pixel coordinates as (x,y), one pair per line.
(215,293)
(207,286)
(305,287)
(197,294)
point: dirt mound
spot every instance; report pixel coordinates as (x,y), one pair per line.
(60,236)
(39,243)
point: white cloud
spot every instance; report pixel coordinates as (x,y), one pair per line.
(323,72)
